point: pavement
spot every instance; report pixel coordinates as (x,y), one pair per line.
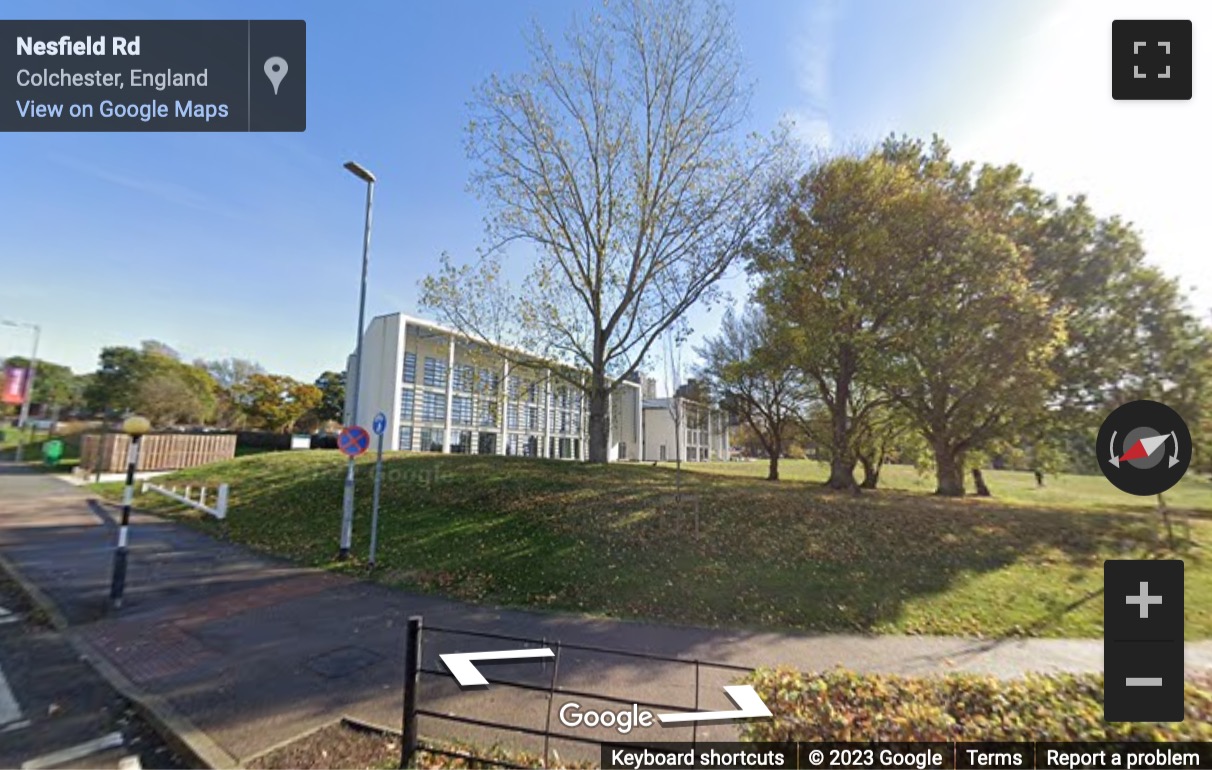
(83,479)
(238,652)
(56,710)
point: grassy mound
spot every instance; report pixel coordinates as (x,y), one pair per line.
(616,540)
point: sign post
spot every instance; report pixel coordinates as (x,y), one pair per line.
(380,427)
(135,427)
(352,441)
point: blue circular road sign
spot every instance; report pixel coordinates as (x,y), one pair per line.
(353,440)
(380,424)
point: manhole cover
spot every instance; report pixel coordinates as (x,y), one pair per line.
(343,661)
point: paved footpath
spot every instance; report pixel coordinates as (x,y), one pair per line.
(239,652)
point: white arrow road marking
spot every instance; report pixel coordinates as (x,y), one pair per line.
(1114,457)
(467,675)
(8,616)
(10,712)
(74,753)
(743,695)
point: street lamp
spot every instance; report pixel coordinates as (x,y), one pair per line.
(135,427)
(29,383)
(348,502)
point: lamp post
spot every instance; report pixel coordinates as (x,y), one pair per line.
(348,502)
(29,384)
(136,428)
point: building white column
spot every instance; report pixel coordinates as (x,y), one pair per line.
(583,421)
(397,389)
(637,394)
(503,408)
(545,413)
(418,378)
(449,394)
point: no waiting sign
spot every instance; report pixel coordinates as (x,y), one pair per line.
(353,440)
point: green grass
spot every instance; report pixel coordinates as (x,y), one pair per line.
(32,453)
(245,451)
(610,540)
(1069,491)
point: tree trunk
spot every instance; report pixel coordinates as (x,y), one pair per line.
(871,472)
(599,423)
(773,475)
(948,470)
(978,479)
(841,466)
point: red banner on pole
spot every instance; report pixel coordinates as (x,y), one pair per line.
(14,385)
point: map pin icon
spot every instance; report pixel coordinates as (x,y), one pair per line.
(275,70)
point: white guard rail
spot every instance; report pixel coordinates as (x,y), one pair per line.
(219,511)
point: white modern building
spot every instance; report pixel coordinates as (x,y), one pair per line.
(703,429)
(443,392)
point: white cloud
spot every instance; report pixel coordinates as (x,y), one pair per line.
(812,57)
(170,192)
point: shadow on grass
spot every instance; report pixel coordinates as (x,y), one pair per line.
(555,535)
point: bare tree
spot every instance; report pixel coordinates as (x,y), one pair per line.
(674,403)
(748,365)
(617,158)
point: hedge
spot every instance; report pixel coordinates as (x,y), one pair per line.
(841,705)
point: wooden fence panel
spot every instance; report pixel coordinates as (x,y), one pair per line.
(107,452)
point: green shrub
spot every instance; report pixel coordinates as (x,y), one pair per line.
(841,705)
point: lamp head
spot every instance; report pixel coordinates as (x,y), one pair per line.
(360,171)
(136,426)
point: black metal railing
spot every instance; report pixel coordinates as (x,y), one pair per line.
(413,668)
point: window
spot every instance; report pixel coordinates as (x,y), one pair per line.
(433,407)
(431,439)
(565,448)
(410,367)
(490,381)
(488,414)
(488,444)
(464,378)
(532,393)
(515,386)
(511,444)
(551,446)
(531,449)
(460,410)
(511,416)
(407,399)
(460,443)
(435,373)
(532,418)
(406,438)
(663,458)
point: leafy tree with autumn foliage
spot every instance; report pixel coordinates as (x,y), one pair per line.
(153,381)
(1128,330)
(836,270)
(332,404)
(745,366)
(277,402)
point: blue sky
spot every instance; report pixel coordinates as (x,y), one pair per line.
(248,245)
